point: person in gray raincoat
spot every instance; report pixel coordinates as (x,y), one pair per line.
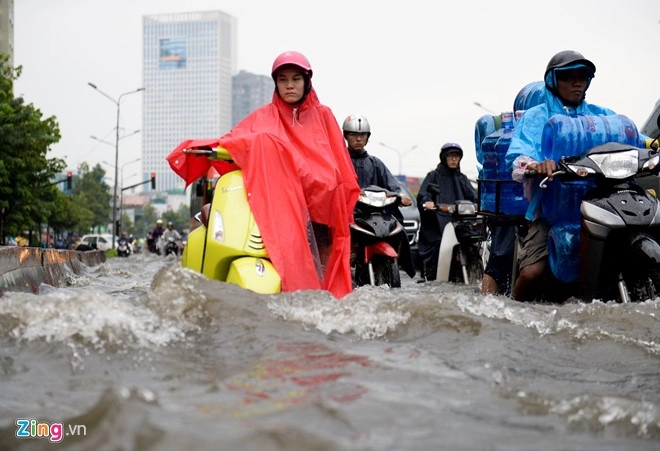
(454,185)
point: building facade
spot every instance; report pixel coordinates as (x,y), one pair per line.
(7,29)
(249,92)
(188,63)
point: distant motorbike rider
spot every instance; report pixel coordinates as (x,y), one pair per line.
(170,232)
(370,170)
(454,185)
(154,236)
(124,241)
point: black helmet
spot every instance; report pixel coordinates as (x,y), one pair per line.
(448,148)
(567,59)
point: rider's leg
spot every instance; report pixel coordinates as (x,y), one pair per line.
(532,261)
(528,281)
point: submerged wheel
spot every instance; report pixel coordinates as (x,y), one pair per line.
(386,272)
(642,289)
(646,287)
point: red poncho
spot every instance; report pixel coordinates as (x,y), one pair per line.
(296,168)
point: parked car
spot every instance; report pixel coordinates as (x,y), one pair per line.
(411,222)
(102,242)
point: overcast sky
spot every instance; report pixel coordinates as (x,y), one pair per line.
(414,68)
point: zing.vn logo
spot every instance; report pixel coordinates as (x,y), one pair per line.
(29,428)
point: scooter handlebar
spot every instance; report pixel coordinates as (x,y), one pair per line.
(532,173)
(220,153)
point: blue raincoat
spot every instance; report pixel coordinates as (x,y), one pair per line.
(526,139)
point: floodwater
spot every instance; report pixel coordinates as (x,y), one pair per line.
(141,354)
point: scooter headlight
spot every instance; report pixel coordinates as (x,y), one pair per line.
(466,208)
(376,199)
(617,165)
(218,227)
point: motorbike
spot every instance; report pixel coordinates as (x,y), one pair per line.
(460,258)
(171,246)
(227,245)
(612,251)
(152,245)
(377,238)
(123,247)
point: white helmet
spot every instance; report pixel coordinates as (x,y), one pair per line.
(356,123)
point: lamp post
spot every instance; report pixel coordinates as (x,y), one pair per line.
(121,205)
(399,153)
(117,102)
(488,110)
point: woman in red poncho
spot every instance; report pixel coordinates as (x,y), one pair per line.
(300,182)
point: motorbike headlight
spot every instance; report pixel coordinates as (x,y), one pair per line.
(376,199)
(466,209)
(617,165)
(218,227)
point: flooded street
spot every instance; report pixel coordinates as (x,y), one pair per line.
(139,354)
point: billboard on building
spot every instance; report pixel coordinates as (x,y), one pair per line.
(172,54)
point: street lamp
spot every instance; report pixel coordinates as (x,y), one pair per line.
(399,153)
(488,110)
(117,102)
(121,205)
(103,141)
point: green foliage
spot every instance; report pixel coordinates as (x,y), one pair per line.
(26,193)
(91,193)
(179,218)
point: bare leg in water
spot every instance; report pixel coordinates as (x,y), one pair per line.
(526,287)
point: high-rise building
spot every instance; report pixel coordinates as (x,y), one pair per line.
(189,61)
(249,92)
(7,29)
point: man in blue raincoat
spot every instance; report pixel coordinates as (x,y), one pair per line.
(567,78)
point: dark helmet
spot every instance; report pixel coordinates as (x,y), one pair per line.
(297,59)
(565,60)
(448,148)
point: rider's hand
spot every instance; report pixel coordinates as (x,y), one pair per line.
(543,168)
(429,205)
(406,201)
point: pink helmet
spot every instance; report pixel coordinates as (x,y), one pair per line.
(294,58)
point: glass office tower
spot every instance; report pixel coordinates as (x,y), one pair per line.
(188,63)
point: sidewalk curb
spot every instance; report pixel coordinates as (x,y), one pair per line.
(26,268)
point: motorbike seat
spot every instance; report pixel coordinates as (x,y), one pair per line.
(205,212)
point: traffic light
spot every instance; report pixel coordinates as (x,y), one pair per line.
(69,180)
(153,180)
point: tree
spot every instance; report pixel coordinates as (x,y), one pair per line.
(146,222)
(25,170)
(68,215)
(179,218)
(93,194)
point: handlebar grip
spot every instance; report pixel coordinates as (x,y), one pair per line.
(530,173)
